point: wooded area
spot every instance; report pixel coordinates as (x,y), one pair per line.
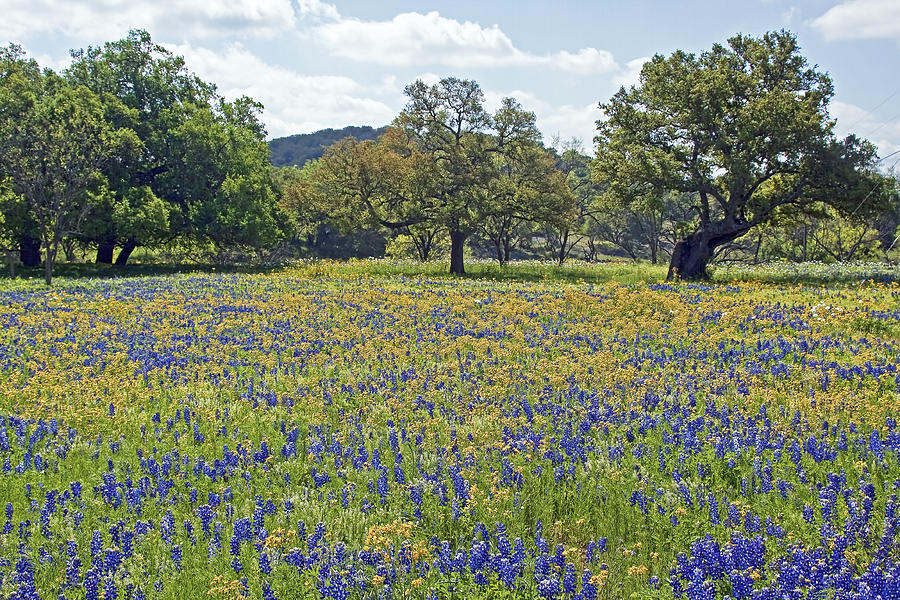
(727,155)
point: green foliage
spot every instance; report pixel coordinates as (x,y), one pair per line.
(744,127)
(447,167)
(202,163)
(527,188)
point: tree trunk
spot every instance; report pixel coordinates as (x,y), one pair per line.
(69,249)
(692,255)
(49,259)
(457,244)
(591,254)
(498,249)
(690,258)
(506,245)
(29,251)
(563,241)
(125,252)
(423,246)
(105,252)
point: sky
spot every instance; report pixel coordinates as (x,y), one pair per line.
(316,64)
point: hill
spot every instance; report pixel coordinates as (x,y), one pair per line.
(299,148)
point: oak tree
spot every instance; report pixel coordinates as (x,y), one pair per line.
(743,126)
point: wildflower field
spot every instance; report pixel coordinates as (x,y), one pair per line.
(321,432)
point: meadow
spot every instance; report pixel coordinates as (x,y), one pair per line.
(378,430)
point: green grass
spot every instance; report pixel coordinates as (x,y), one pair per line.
(624,272)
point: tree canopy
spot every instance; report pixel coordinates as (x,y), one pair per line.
(446,165)
(54,143)
(743,128)
(202,168)
(727,154)
(128,148)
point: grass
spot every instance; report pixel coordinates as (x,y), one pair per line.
(624,272)
(417,415)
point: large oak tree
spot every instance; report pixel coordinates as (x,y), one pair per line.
(744,127)
(202,170)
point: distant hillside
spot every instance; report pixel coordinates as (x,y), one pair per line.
(297,149)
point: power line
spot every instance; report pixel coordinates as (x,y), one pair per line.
(873,109)
(888,156)
(882,126)
(877,185)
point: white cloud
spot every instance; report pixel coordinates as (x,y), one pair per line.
(631,74)
(316,9)
(111,19)
(566,121)
(571,121)
(791,14)
(855,19)
(586,61)
(884,133)
(529,101)
(54,63)
(417,39)
(293,103)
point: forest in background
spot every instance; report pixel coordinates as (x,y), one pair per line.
(295,150)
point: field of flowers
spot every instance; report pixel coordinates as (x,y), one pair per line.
(314,433)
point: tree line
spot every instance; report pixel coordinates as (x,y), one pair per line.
(725,155)
(126,148)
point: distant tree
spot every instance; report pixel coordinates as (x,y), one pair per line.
(366,184)
(462,145)
(563,236)
(744,127)
(525,186)
(448,123)
(822,233)
(446,167)
(12,215)
(425,237)
(840,238)
(353,187)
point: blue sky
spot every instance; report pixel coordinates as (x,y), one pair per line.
(316,64)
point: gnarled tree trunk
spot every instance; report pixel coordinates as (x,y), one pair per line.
(692,255)
(125,252)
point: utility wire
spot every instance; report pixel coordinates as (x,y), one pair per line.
(877,185)
(882,126)
(873,109)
